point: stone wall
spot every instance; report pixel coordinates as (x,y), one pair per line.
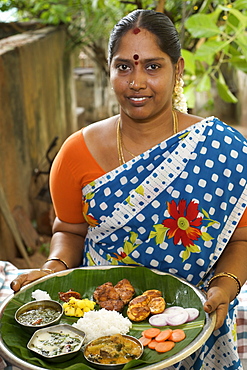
(37,103)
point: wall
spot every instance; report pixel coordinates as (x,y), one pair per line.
(37,103)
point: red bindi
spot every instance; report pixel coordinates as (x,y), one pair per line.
(136,30)
(136,56)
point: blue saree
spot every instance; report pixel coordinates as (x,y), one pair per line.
(174,209)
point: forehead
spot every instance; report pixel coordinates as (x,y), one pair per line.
(138,41)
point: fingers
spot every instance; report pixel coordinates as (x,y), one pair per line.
(17,283)
(217,300)
(26,278)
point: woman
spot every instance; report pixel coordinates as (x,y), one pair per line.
(160,188)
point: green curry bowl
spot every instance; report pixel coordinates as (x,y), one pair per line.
(39,314)
(58,343)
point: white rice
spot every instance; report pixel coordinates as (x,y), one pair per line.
(97,324)
(40,295)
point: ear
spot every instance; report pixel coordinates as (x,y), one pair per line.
(180,66)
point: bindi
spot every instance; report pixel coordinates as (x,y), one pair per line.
(136,57)
(136,30)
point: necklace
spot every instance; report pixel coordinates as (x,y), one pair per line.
(120,144)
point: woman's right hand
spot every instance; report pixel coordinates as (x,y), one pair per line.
(28,278)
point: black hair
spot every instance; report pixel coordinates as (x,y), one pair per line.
(155,22)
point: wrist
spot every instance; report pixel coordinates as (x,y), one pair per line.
(226,281)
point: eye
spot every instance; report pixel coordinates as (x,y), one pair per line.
(153,67)
(123,67)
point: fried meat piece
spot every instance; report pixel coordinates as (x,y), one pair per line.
(125,290)
(157,305)
(112,305)
(105,292)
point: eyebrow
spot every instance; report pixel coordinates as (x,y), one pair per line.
(145,60)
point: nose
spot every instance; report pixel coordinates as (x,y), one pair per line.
(138,81)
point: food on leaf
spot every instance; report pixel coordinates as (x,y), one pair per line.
(150,302)
(113,298)
(161,340)
(77,307)
(174,316)
(65,296)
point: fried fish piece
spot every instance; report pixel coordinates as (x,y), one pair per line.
(157,305)
(138,309)
(138,312)
(125,290)
(152,293)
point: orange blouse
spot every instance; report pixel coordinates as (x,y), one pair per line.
(73,168)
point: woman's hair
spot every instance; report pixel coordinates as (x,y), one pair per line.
(156,23)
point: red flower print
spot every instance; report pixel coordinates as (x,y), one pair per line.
(183,222)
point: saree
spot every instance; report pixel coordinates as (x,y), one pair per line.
(174,209)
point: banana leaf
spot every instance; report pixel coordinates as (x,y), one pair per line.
(175,291)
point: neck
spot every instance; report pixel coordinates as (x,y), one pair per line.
(135,137)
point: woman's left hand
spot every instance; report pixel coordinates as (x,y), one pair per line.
(217,300)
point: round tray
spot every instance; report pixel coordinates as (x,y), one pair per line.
(195,344)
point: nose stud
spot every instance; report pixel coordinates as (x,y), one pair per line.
(131,83)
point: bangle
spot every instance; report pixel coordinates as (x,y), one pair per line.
(49,271)
(229,275)
(59,260)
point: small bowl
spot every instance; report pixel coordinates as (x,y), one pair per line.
(109,366)
(56,353)
(38,322)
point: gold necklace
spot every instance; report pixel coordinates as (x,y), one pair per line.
(120,144)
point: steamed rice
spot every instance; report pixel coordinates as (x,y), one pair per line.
(96,324)
(40,295)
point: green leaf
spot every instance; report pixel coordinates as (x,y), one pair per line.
(239,62)
(201,25)
(204,83)
(206,52)
(240,4)
(189,61)
(240,16)
(225,93)
(190,95)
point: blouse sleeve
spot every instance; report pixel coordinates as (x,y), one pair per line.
(73,168)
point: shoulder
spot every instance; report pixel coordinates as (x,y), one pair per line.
(100,129)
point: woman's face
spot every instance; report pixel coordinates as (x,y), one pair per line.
(142,75)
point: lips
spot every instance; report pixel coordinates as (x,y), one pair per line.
(138,99)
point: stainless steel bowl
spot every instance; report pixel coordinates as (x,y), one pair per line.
(52,351)
(109,366)
(34,305)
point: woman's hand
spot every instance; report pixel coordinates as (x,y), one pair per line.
(27,278)
(217,300)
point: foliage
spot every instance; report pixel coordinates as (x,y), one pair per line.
(213,33)
(217,43)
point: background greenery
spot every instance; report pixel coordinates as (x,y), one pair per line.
(213,34)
